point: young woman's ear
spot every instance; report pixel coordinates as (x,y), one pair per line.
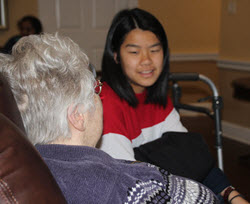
(75,118)
(116,58)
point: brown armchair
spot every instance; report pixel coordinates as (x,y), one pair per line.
(24,177)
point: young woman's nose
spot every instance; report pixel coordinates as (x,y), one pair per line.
(146,58)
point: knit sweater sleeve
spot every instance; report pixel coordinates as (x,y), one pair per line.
(147,183)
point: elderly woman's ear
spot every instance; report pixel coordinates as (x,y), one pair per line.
(75,118)
(23,102)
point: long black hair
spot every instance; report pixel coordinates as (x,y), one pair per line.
(124,22)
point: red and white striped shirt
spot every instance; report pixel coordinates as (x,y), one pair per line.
(126,127)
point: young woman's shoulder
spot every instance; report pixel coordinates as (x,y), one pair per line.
(110,98)
(115,111)
(107,91)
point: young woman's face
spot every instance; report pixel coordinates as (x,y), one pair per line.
(141,58)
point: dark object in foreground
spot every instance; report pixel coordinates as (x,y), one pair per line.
(184,154)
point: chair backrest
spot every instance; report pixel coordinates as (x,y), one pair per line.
(24,177)
(8,105)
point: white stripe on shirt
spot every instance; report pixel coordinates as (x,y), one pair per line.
(120,147)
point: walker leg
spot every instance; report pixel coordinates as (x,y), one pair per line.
(220,158)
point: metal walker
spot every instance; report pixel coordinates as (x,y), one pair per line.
(216,105)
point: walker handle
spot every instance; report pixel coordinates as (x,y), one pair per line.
(184,76)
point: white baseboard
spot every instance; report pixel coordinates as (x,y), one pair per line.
(236,132)
(194,57)
(229,130)
(234,65)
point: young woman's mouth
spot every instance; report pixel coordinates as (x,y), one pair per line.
(146,73)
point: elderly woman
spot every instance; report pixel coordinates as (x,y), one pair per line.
(62,113)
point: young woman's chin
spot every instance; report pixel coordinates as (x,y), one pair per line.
(140,87)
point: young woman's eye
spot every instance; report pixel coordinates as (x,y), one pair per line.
(156,50)
(133,52)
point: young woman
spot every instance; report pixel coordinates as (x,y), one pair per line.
(135,71)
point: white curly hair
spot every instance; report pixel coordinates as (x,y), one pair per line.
(48,73)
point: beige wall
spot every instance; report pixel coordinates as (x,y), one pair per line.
(16,10)
(235,45)
(235,32)
(192,27)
